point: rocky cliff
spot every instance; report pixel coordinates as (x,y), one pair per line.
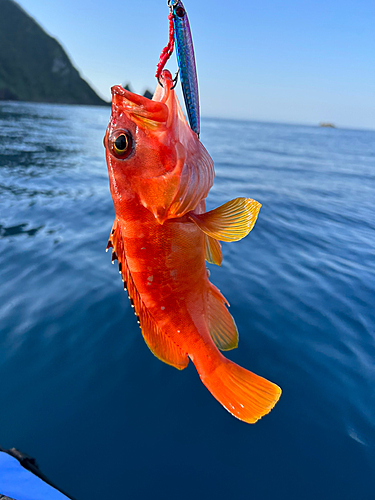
(33,65)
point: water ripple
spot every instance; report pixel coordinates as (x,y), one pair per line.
(77,373)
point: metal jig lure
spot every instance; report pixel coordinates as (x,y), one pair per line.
(180,35)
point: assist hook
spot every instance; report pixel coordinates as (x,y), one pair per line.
(168,49)
(175,80)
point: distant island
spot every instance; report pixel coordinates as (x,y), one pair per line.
(327,124)
(146,93)
(33,65)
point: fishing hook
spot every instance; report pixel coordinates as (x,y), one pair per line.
(175,80)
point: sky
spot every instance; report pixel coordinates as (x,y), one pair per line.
(286,61)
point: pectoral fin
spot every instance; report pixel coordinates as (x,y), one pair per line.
(222,327)
(213,251)
(231,222)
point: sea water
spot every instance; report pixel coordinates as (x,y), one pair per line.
(80,390)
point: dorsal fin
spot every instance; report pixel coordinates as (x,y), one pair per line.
(231,222)
(160,344)
(222,327)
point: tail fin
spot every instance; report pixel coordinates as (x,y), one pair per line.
(244,394)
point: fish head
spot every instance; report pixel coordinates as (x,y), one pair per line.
(153,156)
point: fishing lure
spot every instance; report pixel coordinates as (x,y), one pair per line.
(179,27)
(186,62)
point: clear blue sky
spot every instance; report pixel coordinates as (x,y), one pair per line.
(290,61)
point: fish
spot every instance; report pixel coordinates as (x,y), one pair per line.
(159,176)
(186,62)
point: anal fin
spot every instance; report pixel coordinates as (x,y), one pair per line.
(230,222)
(222,327)
(159,343)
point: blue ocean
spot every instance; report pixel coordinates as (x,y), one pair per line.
(81,392)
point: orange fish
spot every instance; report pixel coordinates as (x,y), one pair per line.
(160,175)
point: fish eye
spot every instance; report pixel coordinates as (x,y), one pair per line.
(120,144)
(180,11)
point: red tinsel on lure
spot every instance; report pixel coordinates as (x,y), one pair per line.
(168,50)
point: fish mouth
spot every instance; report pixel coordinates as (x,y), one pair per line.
(156,110)
(138,105)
